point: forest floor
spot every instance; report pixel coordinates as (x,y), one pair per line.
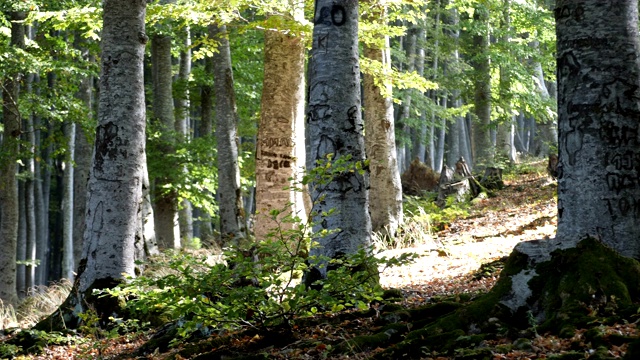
(464,257)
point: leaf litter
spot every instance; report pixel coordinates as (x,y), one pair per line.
(464,258)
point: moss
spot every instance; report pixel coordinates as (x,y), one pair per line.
(571,355)
(392,294)
(367,342)
(578,284)
(474,354)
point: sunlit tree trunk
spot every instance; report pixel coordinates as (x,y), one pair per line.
(9,148)
(232,217)
(335,127)
(67,202)
(280,153)
(185,215)
(385,195)
(598,112)
(115,181)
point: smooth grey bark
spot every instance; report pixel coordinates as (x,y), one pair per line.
(506,129)
(232,217)
(185,213)
(442,128)
(68,265)
(115,182)
(403,149)
(165,200)
(420,134)
(335,127)
(82,165)
(41,213)
(482,147)
(598,112)
(21,247)
(385,192)
(280,152)
(9,148)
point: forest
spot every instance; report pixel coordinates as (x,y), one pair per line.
(226,179)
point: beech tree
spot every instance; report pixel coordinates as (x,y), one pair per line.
(9,149)
(555,280)
(335,130)
(116,177)
(280,151)
(165,199)
(232,217)
(385,194)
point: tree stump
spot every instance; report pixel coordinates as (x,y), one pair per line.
(449,185)
(492,179)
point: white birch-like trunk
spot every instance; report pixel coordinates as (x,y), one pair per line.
(598,112)
(385,195)
(280,152)
(185,214)
(336,127)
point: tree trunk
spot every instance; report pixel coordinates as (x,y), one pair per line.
(385,195)
(165,199)
(82,161)
(598,188)
(205,129)
(336,129)
(232,217)
(115,182)
(185,215)
(483,150)
(67,203)
(280,146)
(8,184)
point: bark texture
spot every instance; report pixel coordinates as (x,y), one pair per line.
(280,151)
(385,195)
(115,183)
(483,150)
(9,150)
(165,200)
(335,127)
(232,217)
(82,161)
(598,112)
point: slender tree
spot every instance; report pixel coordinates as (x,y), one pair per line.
(335,131)
(232,217)
(165,197)
(482,146)
(385,195)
